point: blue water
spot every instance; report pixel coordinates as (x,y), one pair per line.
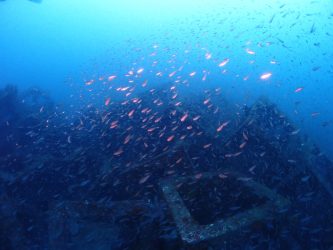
(69,49)
(47,44)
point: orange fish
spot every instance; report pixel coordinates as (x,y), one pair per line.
(265,76)
(130,114)
(299,89)
(144,179)
(172,73)
(245,136)
(110,78)
(107,101)
(184,117)
(222,176)
(114,124)
(196,118)
(151,129)
(224,62)
(127,139)
(237,154)
(250,52)
(295,132)
(198,176)
(206,101)
(179,160)
(208,56)
(158,119)
(219,129)
(170,138)
(204,78)
(242,145)
(89,82)
(233,155)
(144,84)
(139,71)
(118,152)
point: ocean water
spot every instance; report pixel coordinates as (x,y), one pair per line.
(101,101)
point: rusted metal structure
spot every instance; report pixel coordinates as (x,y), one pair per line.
(260,184)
